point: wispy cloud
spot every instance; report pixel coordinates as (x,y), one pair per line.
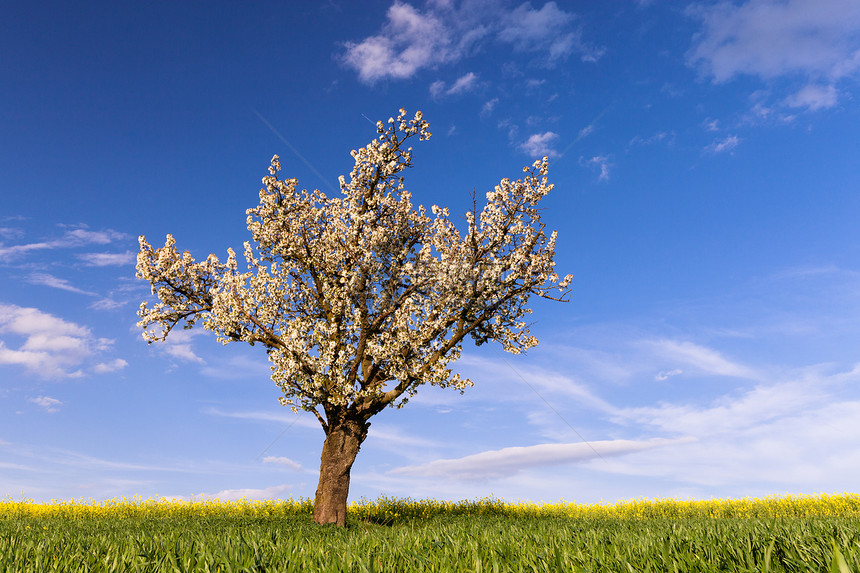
(125,292)
(112,366)
(273,492)
(666,374)
(547,382)
(601,162)
(764,426)
(49,404)
(658,137)
(701,358)
(107,304)
(285,462)
(63,458)
(107,259)
(48,280)
(397,438)
(727,144)
(11,233)
(71,238)
(506,461)
(83,236)
(179,345)
(799,432)
(411,39)
(286,417)
(711,124)
(463,84)
(546,30)
(7,253)
(540,144)
(813,97)
(488,106)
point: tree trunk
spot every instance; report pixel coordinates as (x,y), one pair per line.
(342,442)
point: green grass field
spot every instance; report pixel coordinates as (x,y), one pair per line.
(801,533)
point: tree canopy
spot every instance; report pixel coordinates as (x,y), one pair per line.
(360,299)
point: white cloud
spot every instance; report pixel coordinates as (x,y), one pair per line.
(546,30)
(183,352)
(11,232)
(437,88)
(538,385)
(813,97)
(108,259)
(699,357)
(759,428)
(286,462)
(600,161)
(463,84)
(46,402)
(112,366)
(107,304)
(178,344)
(540,144)
(722,145)
(16,250)
(85,237)
(412,40)
(557,384)
(527,28)
(45,279)
(32,322)
(274,492)
(666,374)
(504,462)
(70,239)
(800,434)
(284,418)
(769,429)
(726,414)
(52,347)
(488,106)
(770,38)
(773,38)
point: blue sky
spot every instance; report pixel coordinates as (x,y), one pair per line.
(704,157)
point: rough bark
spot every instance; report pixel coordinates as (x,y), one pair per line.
(342,442)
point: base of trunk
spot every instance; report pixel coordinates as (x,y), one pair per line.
(341,446)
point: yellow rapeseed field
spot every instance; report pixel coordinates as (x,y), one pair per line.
(819,505)
(780,534)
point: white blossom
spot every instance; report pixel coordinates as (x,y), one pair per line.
(361,298)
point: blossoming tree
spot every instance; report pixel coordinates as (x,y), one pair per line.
(360,299)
